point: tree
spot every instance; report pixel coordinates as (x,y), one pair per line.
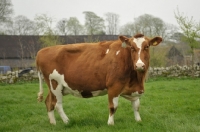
(150,26)
(44,27)
(93,23)
(190,29)
(5,10)
(23,26)
(43,24)
(128,29)
(62,26)
(74,26)
(112,21)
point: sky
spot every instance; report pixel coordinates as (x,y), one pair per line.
(126,9)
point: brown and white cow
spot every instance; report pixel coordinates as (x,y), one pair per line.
(116,68)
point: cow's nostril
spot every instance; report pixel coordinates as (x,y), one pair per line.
(139,66)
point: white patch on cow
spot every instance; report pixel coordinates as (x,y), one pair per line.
(138,42)
(52,117)
(136,105)
(115,102)
(117,52)
(58,93)
(68,90)
(99,92)
(134,96)
(107,51)
(111,120)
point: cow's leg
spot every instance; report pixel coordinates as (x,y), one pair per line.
(136,105)
(50,104)
(113,104)
(56,89)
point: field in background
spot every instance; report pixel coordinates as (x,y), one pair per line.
(171,105)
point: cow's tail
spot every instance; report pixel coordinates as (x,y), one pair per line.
(40,93)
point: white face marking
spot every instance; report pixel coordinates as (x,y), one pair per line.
(117,52)
(138,42)
(107,51)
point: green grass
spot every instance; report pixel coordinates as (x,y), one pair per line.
(168,105)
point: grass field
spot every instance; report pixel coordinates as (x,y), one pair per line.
(168,105)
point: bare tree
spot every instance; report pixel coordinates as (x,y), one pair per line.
(148,25)
(128,29)
(43,24)
(23,26)
(62,26)
(93,23)
(151,26)
(112,21)
(44,27)
(5,10)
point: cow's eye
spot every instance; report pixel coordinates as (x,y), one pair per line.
(133,49)
(146,47)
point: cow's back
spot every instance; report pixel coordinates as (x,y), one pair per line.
(84,66)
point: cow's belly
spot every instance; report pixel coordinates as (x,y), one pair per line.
(66,89)
(83,94)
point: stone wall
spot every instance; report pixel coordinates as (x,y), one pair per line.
(175,71)
(172,71)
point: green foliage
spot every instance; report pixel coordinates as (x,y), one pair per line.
(93,23)
(44,27)
(190,29)
(157,58)
(50,40)
(168,105)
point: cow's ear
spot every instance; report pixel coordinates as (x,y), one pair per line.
(124,41)
(155,41)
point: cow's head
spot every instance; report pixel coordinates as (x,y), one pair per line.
(139,46)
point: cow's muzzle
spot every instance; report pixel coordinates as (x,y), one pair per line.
(140,66)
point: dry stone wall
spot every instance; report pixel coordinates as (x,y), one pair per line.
(175,71)
(172,71)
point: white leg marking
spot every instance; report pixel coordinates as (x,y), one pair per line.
(111,117)
(111,120)
(115,102)
(52,117)
(136,105)
(61,112)
(58,93)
